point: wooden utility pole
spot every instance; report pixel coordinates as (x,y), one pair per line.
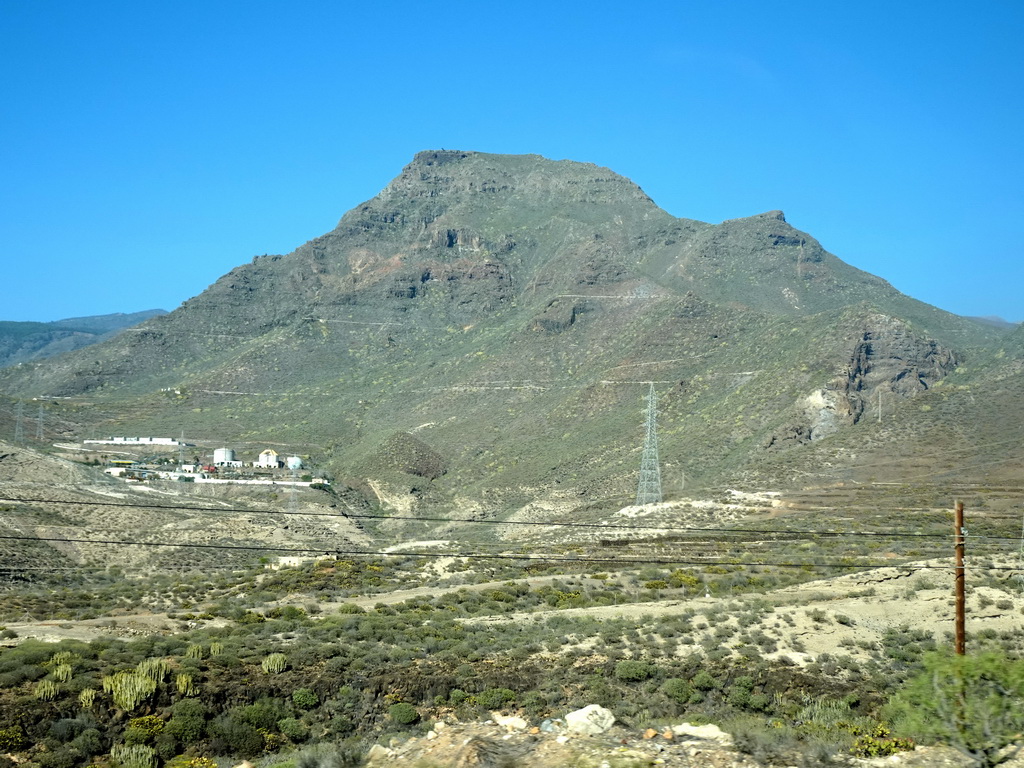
(958,580)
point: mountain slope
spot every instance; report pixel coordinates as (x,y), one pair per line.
(507,311)
(26,341)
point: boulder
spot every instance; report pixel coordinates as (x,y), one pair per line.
(511,722)
(702,733)
(379,754)
(591,720)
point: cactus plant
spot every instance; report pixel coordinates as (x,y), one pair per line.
(46,690)
(133,756)
(275,663)
(195,652)
(64,657)
(62,672)
(129,689)
(155,669)
(186,685)
(87,697)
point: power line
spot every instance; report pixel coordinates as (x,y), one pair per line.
(549,558)
(803,532)
(919,456)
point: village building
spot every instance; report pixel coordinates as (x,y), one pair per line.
(269,459)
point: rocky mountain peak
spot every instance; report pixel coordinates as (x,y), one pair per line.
(478,180)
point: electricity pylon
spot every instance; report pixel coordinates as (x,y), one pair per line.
(19,430)
(649,489)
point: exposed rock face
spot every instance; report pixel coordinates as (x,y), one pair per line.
(889,355)
(887,358)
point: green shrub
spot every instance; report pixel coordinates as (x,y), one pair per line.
(634,670)
(969,702)
(495,698)
(65,756)
(89,742)
(141,730)
(231,734)
(188,721)
(704,681)
(678,689)
(305,698)
(12,739)
(185,761)
(403,714)
(264,714)
(738,697)
(294,730)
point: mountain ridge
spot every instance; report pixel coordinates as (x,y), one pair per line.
(507,309)
(24,341)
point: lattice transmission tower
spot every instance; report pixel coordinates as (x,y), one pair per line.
(19,429)
(649,489)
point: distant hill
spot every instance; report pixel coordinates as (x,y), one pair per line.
(480,337)
(996,321)
(22,342)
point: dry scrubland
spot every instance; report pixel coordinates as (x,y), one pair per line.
(465,357)
(144,655)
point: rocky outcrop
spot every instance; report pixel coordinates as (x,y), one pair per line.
(408,454)
(558,316)
(888,355)
(887,358)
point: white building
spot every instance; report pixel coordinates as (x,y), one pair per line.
(269,459)
(294,462)
(223,456)
(133,441)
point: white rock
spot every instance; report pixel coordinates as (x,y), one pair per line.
(591,720)
(431,735)
(378,753)
(511,722)
(703,732)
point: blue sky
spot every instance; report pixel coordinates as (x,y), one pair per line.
(148,148)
